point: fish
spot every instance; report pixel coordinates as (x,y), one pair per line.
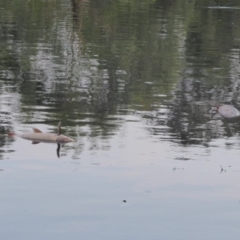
(37,136)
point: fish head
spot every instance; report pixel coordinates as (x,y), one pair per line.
(64,139)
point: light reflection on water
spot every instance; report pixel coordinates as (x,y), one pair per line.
(63,197)
(131,82)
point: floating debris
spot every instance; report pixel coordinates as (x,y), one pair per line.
(175,168)
(222,170)
(228,111)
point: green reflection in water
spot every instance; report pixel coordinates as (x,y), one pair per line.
(85,61)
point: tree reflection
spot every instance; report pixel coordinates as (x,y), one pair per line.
(88,64)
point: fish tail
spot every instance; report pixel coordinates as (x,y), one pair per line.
(11,134)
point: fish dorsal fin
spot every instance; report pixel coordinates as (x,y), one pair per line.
(36,130)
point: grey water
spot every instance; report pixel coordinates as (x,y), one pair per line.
(133,82)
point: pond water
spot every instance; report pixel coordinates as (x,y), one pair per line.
(136,84)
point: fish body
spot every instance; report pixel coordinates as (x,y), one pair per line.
(38,136)
(45,137)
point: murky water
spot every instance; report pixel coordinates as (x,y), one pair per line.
(137,85)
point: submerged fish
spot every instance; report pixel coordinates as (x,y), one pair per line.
(38,136)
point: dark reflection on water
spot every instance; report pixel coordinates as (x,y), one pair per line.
(89,62)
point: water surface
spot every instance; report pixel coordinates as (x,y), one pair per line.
(133,82)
